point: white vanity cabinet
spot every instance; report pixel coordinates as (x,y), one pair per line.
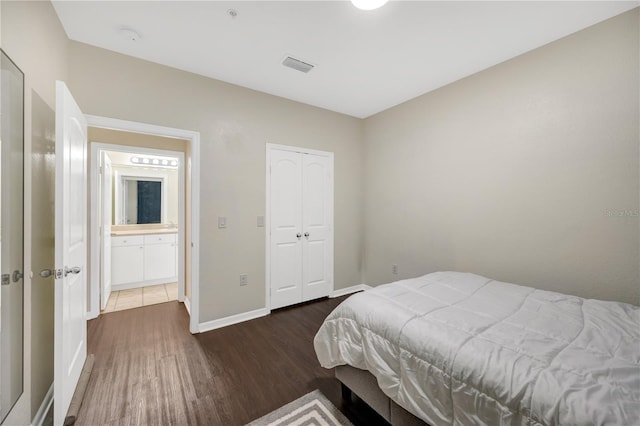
(159,256)
(141,260)
(127,254)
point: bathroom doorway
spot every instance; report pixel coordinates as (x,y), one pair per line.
(138,219)
(140,201)
(148,142)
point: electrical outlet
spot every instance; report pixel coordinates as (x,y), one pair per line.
(244,279)
(394,269)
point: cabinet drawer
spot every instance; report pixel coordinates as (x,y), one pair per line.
(133,240)
(160,238)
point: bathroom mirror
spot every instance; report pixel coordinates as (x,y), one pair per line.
(142,200)
(11,233)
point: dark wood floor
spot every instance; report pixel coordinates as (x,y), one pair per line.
(149,370)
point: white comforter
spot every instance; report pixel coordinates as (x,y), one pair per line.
(456,348)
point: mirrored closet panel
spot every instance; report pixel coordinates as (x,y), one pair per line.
(11,233)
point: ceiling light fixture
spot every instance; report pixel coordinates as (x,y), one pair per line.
(129,34)
(368,4)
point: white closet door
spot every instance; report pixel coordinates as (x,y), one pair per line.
(317,224)
(286,228)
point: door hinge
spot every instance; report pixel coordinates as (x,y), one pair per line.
(101,170)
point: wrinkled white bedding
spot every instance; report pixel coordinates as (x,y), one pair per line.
(457,348)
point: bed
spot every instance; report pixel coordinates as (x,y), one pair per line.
(458,348)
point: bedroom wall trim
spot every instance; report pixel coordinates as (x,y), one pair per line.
(257,313)
(233,319)
(349,290)
(38,419)
(187,304)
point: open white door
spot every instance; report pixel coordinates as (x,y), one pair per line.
(106,217)
(70,347)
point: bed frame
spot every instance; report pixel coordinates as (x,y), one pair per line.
(365,386)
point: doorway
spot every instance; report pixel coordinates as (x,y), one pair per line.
(168,234)
(140,221)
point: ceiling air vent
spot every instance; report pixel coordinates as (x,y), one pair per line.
(297,64)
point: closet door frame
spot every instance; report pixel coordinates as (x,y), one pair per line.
(269,148)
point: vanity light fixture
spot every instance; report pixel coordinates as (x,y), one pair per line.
(151,161)
(368,4)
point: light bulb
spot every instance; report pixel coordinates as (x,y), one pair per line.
(368,4)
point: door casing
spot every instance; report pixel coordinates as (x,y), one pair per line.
(193,170)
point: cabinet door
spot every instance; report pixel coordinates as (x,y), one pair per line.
(159,261)
(126,264)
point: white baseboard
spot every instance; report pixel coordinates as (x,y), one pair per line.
(233,319)
(246,316)
(187,304)
(349,290)
(44,408)
(92,315)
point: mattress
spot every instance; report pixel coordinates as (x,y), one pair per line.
(458,348)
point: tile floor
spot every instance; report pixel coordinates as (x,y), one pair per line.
(137,297)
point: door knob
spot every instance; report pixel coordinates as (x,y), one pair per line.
(17,276)
(46,273)
(74,270)
(56,273)
(299,235)
(306,234)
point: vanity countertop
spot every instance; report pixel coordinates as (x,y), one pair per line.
(129,232)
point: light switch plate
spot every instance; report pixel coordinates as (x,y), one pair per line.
(222,222)
(260,221)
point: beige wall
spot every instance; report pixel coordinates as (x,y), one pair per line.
(34,39)
(118,137)
(513,172)
(235,124)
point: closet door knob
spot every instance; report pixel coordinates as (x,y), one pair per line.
(299,235)
(306,234)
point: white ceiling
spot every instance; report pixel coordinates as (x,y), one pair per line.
(365,62)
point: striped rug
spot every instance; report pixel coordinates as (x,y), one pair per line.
(313,409)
